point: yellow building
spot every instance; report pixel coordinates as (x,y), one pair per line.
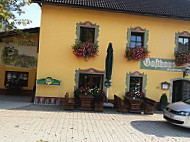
(157,27)
(19,53)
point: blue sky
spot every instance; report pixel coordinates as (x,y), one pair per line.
(33,13)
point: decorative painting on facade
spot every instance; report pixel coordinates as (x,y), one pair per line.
(18,56)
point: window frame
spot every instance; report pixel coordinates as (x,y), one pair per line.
(136,34)
(87,30)
(184,34)
(138,30)
(88,75)
(141,81)
(17,73)
(87,24)
(187,48)
(136,74)
(89,71)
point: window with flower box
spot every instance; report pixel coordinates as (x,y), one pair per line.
(91,78)
(181,51)
(136,81)
(182,41)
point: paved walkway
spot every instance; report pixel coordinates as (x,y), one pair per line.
(10,102)
(50,123)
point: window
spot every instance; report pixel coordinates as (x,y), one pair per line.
(136,84)
(16,76)
(137,39)
(184,43)
(136,81)
(91,80)
(87,34)
(137,36)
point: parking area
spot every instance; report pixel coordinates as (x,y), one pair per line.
(51,123)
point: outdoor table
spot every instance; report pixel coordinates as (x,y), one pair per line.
(134,104)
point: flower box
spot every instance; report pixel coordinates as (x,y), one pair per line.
(182,58)
(136,53)
(86,102)
(85,49)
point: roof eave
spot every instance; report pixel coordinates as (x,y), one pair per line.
(117,11)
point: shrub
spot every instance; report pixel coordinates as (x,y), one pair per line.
(163,99)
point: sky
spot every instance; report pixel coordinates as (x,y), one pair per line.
(33,13)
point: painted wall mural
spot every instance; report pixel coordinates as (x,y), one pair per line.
(20,55)
(10,56)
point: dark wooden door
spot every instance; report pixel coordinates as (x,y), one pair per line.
(181,90)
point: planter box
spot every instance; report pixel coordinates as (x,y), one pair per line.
(98,107)
(134,105)
(86,102)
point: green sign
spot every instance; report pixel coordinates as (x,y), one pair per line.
(48,81)
(160,64)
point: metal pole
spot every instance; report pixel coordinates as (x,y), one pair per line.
(107,92)
(60,92)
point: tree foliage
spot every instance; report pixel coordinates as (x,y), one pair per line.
(8,11)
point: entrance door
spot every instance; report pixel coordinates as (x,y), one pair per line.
(181,90)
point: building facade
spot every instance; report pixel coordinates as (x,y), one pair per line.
(19,53)
(64,23)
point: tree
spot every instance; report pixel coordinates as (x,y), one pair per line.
(8,11)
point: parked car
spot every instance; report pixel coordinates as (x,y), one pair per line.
(178,113)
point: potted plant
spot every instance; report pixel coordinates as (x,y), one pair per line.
(135,94)
(163,102)
(85,49)
(136,53)
(85,97)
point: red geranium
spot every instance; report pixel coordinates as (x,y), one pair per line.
(136,53)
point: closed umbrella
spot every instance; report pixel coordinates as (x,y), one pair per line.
(109,63)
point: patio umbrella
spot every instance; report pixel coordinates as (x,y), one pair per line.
(109,63)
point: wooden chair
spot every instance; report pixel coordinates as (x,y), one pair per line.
(69,102)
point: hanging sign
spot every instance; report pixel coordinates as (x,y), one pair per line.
(160,64)
(48,81)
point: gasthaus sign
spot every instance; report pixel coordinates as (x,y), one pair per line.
(160,64)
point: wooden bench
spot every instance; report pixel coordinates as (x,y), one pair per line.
(120,104)
(69,102)
(149,106)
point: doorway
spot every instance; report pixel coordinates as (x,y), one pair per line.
(180,90)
